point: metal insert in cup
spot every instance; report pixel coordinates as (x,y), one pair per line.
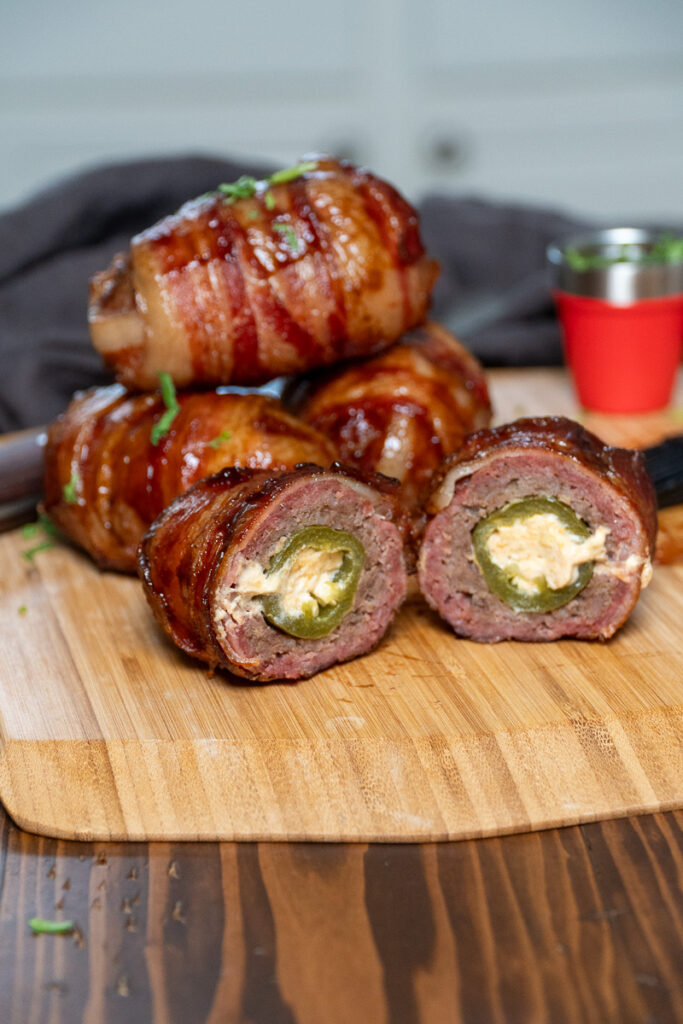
(622,269)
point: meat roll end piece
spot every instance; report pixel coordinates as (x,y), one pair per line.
(110,470)
(538,531)
(277,576)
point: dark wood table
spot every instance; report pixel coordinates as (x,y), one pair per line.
(580,924)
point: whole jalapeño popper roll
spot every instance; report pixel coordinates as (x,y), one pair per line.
(400,412)
(319,262)
(537,530)
(113,460)
(277,576)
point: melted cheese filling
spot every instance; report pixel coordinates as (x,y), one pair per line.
(541,548)
(302,586)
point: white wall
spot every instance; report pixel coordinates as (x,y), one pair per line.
(577,104)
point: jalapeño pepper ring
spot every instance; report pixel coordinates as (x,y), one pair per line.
(317,618)
(500,581)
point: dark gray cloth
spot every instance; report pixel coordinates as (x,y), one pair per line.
(492,292)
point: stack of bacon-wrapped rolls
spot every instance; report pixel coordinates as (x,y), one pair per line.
(276,538)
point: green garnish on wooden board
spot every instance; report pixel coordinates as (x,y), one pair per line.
(40,926)
(31,531)
(163,424)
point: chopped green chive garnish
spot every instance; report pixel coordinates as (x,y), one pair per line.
(30,553)
(287,232)
(243,188)
(31,531)
(47,525)
(253,214)
(246,186)
(291,173)
(22,609)
(70,490)
(163,424)
(216,442)
(40,926)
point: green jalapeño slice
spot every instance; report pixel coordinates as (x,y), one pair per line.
(557,527)
(317,572)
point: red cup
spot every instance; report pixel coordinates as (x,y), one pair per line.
(623,358)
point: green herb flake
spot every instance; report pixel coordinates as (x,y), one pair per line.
(46,525)
(252,215)
(70,490)
(163,424)
(39,926)
(287,232)
(22,609)
(269,200)
(243,188)
(666,249)
(43,527)
(292,173)
(216,442)
(30,553)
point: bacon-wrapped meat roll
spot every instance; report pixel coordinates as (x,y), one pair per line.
(277,576)
(113,461)
(401,412)
(538,531)
(264,279)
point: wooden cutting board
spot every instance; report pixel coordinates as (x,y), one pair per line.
(107,732)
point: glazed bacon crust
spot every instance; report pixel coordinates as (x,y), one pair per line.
(624,468)
(241,292)
(102,443)
(401,412)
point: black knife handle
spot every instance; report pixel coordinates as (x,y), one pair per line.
(665,465)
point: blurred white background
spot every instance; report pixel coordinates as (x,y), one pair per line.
(575,104)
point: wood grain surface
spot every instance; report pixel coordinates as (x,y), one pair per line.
(108,732)
(575,925)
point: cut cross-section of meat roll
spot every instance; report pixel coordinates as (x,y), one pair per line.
(277,576)
(537,530)
(401,412)
(318,263)
(113,461)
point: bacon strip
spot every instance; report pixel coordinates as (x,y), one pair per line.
(121,481)
(240,292)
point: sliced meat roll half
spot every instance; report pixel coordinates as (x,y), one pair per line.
(277,576)
(537,530)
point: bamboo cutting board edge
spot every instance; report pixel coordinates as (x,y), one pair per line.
(403,810)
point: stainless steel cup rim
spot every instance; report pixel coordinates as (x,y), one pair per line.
(619,283)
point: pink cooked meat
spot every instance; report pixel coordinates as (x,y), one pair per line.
(551,458)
